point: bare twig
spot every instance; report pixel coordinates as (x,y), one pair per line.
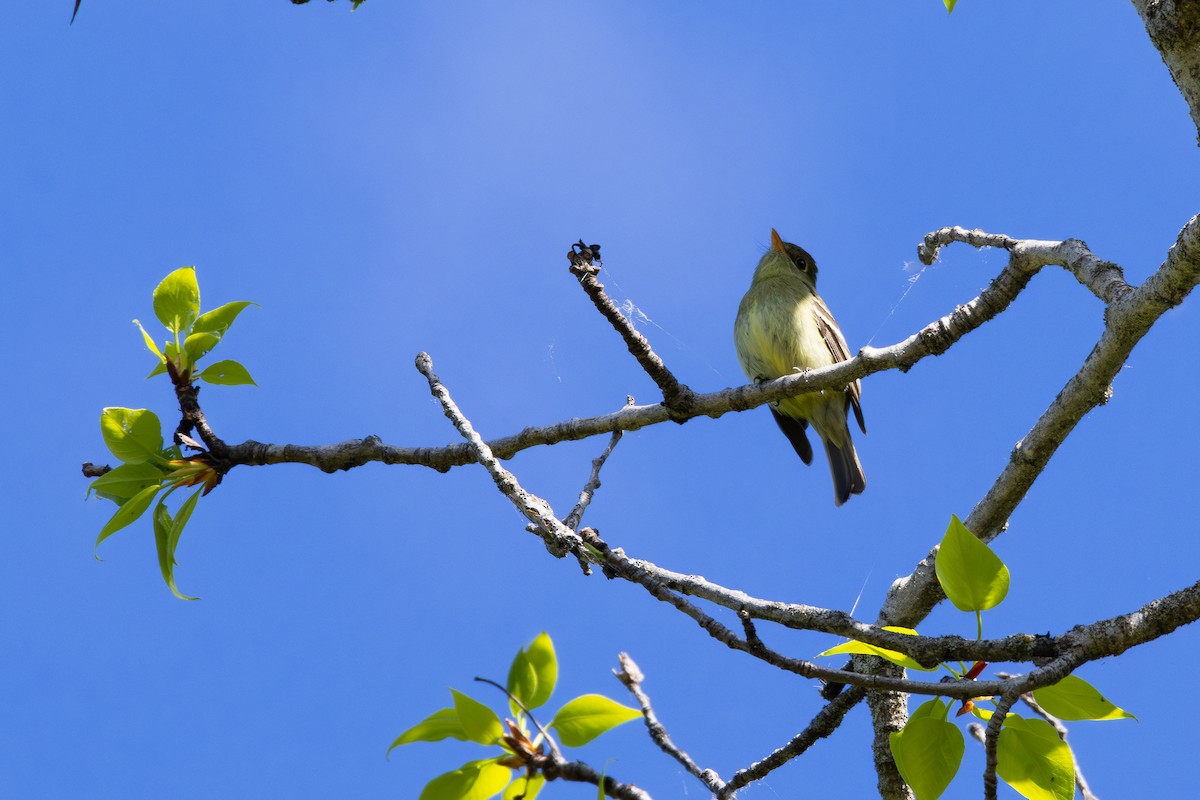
(676,396)
(1105,279)
(631,676)
(823,724)
(558,538)
(990,740)
(593,483)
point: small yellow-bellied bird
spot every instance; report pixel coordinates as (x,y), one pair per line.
(783,327)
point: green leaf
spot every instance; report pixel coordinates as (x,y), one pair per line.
(1033,760)
(588,716)
(132,435)
(442,724)
(534,673)
(973,577)
(181,519)
(1074,698)
(479,722)
(525,788)
(226,373)
(949,5)
(219,319)
(170,353)
(197,345)
(150,342)
(166,537)
(931,708)
(125,481)
(928,751)
(983,713)
(129,511)
(177,300)
(862,648)
(478,780)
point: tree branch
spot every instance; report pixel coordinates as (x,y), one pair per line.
(1127,320)
(579,772)
(1174,29)
(676,396)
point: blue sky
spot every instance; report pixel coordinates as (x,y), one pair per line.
(408,177)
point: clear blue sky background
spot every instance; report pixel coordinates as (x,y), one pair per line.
(408,177)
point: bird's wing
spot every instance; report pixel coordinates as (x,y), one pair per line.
(840,352)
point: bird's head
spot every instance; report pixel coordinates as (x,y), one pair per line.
(787,261)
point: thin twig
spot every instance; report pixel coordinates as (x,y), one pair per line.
(187,394)
(991,739)
(631,676)
(676,396)
(558,538)
(593,483)
(822,725)
(549,739)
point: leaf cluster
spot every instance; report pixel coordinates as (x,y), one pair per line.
(149,469)
(517,771)
(177,307)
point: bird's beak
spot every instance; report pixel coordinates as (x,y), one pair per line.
(776,242)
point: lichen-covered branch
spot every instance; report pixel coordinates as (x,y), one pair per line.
(1174,29)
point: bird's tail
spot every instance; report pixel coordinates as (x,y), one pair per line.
(848,477)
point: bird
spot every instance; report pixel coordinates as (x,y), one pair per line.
(783,327)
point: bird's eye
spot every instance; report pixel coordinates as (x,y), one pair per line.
(802,264)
